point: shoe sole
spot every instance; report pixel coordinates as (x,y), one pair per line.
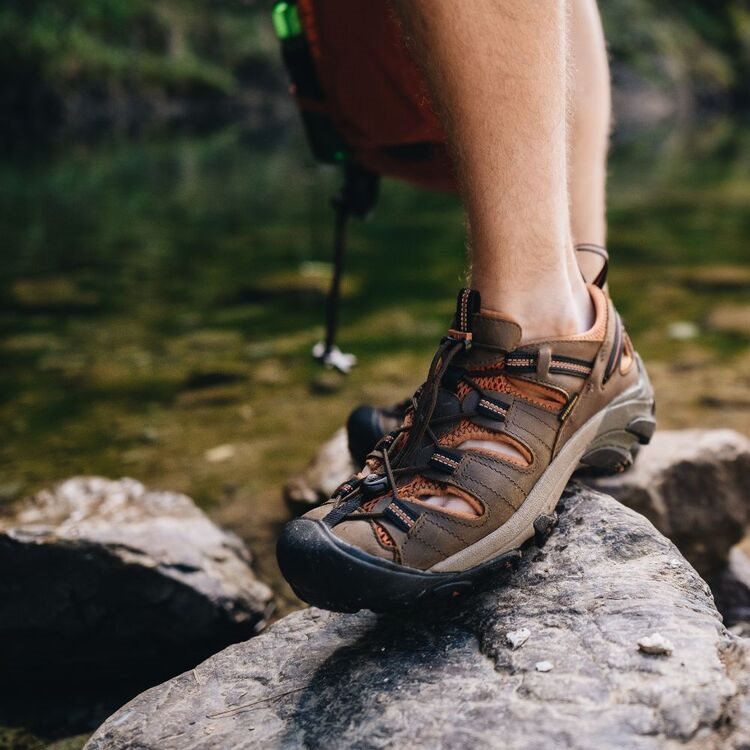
(329,573)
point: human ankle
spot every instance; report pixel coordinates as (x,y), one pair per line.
(556,313)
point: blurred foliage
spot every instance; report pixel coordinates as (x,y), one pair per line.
(700,48)
(169,43)
(61,60)
(130,268)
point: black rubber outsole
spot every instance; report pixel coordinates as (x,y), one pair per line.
(328,573)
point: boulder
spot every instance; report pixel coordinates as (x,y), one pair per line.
(329,467)
(732,588)
(694,486)
(108,584)
(460,677)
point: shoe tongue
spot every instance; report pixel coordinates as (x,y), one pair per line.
(485,327)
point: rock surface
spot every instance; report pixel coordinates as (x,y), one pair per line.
(452,680)
(329,467)
(694,486)
(108,578)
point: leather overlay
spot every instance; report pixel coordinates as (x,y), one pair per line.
(484,387)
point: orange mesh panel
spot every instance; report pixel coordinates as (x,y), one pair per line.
(421,486)
(383,536)
(489,382)
(468,431)
(541,395)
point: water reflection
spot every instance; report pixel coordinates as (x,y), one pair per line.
(159,300)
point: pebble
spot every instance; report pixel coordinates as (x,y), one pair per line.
(543,666)
(516,638)
(220,453)
(149,435)
(656,645)
(682,330)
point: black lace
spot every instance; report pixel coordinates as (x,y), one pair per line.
(423,404)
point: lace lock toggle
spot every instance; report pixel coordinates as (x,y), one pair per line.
(464,337)
(374,485)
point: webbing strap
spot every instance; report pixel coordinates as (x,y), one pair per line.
(401,515)
(493,408)
(519,363)
(445,460)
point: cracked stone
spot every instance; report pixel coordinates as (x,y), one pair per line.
(693,485)
(447,678)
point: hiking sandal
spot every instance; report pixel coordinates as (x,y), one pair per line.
(367,424)
(477,466)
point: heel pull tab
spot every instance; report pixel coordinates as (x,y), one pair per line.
(468,303)
(601,278)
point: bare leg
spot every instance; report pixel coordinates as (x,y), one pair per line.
(589,129)
(499,74)
(498,71)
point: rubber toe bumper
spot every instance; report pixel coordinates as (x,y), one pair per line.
(329,573)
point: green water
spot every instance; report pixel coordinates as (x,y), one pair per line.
(160,298)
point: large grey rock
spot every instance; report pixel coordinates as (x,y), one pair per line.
(109,578)
(694,486)
(452,679)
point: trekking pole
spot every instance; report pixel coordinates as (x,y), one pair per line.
(356,198)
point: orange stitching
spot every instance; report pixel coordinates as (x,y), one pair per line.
(408,520)
(464,309)
(585,369)
(491,491)
(493,407)
(444,460)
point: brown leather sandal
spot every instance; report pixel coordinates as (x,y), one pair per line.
(498,427)
(367,424)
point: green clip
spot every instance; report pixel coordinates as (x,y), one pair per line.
(286,21)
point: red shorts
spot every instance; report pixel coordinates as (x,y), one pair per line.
(374,92)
